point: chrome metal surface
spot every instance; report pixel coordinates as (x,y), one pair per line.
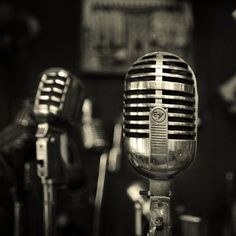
(160,222)
(160,115)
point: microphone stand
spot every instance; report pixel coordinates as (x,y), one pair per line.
(49,207)
(99,193)
(50,170)
(159,220)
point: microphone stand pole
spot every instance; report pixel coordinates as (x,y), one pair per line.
(159,220)
(49,169)
(49,208)
(19,196)
(99,193)
(138,212)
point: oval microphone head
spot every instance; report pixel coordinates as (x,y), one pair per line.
(59,96)
(160,115)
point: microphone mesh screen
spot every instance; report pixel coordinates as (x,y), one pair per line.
(165,80)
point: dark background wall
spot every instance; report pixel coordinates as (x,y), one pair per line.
(201,189)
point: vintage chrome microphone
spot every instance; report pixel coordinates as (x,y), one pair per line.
(57,106)
(160,126)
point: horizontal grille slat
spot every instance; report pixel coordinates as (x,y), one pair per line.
(51,85)
(187,124)
(135,130)
(180,115)
(49,102)
(160,85)
(175,63)
(177,71)
(151,105)
(180,132)
(140,73)
(145,96)
(136,122)
(170,57)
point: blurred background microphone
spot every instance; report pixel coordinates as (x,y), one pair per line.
(57,108)
(17,148)
(115,153)
(234,14)
(20,134)
(160,126)
(59,97)
(93,135)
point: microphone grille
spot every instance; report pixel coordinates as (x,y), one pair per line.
(58,96)
(164,80)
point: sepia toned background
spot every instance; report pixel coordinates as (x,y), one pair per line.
(35,35)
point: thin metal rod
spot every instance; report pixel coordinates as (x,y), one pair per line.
(18,218)
(138,218)
(99,193)
(49,209)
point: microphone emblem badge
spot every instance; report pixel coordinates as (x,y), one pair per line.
(158,115)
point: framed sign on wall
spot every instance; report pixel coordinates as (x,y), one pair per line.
(116,32)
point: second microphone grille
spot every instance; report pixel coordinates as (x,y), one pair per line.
(52,90)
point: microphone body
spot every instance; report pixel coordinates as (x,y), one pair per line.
(160,127)
(160,110)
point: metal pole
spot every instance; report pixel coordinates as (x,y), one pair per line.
(49,209)
(138,218)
